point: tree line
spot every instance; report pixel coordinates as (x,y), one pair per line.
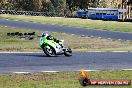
(58,6)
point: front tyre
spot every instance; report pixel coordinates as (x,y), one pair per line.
(68,52)
(49,51)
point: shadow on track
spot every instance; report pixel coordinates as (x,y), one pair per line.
(34,55)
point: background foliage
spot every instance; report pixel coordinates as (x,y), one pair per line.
(58,6)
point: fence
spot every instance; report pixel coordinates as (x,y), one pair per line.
(12,12)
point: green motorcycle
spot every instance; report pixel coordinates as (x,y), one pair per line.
(52,48)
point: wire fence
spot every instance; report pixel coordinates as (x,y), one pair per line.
(31,13)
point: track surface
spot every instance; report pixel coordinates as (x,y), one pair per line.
(37,62)
(71,30)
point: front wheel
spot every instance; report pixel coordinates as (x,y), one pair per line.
(68,52)
(49,51)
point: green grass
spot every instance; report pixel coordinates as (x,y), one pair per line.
(76,42)
(60,79)
(75,22)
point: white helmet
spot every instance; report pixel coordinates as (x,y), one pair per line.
(44,34)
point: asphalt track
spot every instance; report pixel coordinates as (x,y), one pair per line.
(37,62)
(70,30)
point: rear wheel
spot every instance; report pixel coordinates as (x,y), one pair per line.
(49,51)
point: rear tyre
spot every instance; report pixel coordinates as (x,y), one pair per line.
(68,52)
(49,52)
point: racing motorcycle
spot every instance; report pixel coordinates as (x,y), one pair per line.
(52,48)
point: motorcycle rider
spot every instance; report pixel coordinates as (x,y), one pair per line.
(49,37)
(51,46)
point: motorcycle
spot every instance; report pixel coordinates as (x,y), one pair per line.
(52,48)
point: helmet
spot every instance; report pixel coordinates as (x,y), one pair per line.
(44,34)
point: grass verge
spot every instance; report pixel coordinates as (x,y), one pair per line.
(76,42)
(59,80)
(75,22)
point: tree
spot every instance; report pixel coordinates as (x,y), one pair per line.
(7,4)
(2,3)
(59,5)
(47,6)
(129,2)
(38,5)
(79,4)
(27,5)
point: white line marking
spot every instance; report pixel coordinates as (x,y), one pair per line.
(83,35)
(21,72)
(109,38)
(63,33)
(90,70)
(62,71)
(99,37)
(72,34)
(50,71)
(16,20)
(128,40)
(127,69)
(121,51)
(92,36)
(109,51)
(5,26)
